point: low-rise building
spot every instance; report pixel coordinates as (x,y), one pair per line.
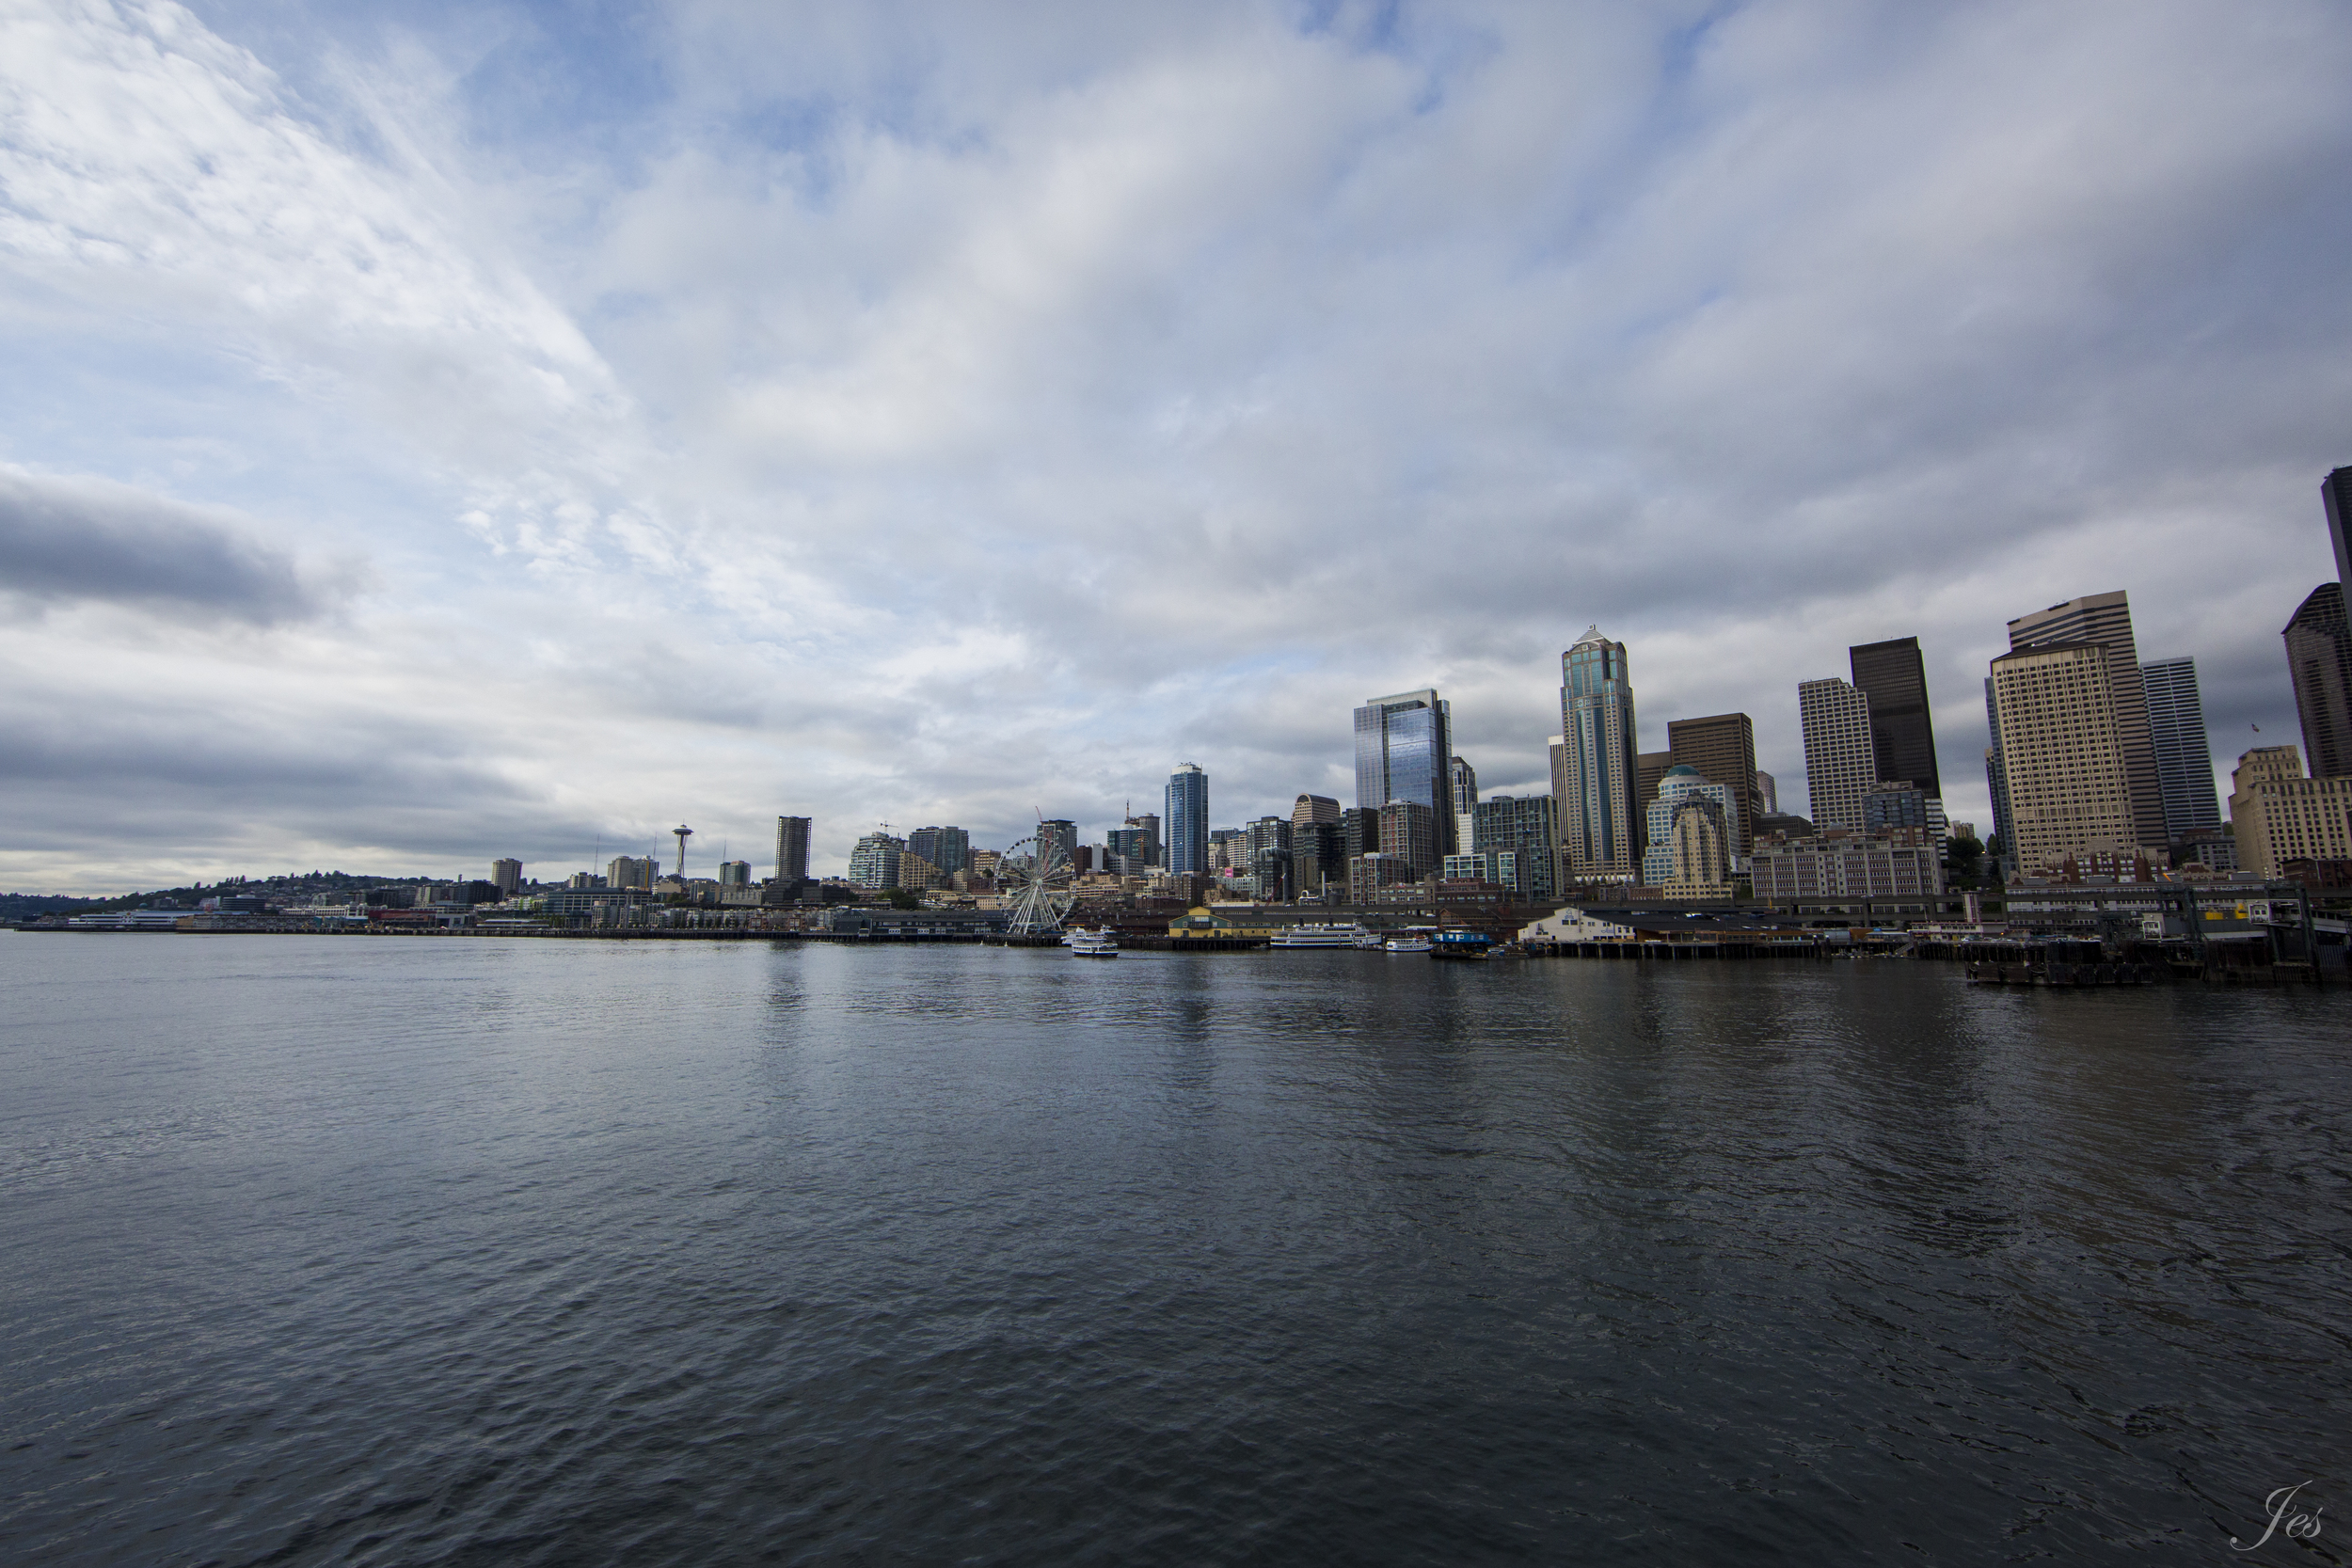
(2280,815)
(1899,863)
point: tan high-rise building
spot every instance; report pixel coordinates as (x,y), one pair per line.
(2062,754)
(2278,816)
(2105,620)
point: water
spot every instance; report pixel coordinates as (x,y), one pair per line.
(339,1250)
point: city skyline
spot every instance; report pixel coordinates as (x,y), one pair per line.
(444,436)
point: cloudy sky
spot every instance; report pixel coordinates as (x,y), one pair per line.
(447,431)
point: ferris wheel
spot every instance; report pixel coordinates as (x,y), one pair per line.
(1034,876)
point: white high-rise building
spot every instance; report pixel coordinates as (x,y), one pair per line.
(1841,762)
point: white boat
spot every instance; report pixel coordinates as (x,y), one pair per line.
(1092,944)
(1407,945)
(1350,935)
(1370,939)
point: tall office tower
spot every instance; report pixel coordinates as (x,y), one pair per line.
(1149,823)
(1462,782)
(1768,793)
(2106,619)
(1188,821)
(791,850)
(508,875)
(1840,760)
(1064,835)
(1266,857)
(1600,827)
(2176,727)
(1316,855)
(1648,768)
(1557,747)
(735,873)
(2064,754)
(1359,832)
(630,871)
(1997,776)
(1408,831)
(1722,747)
(1526,828)
(1902,735)
(948,849)
(2319,657)
(1403,744)
(2335,493)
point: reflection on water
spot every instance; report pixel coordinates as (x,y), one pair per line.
(393,1252)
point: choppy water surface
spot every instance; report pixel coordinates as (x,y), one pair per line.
(332,1250)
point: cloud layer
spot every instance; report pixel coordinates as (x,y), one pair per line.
(944,413)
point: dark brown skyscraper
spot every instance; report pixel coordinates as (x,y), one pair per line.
(1894,677)
(2319,655)
(1722,748)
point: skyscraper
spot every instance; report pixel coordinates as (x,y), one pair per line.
(1722,748)
(1902,735)
(1685,788)
(1408,831)
(2335,493)
(1526,828)
(2106,619)
(1188,821)
(2176,727)
(507,875)
(1557,747)
(1462,784)
(1600,826)
(874,860)
(1064,833)
(1840,759)
(1149,823)
(1648,768)
(2062,754)
(1996,778)
(948,849)
(791,850)
(1316,854)
(1403,746)
(2319,657)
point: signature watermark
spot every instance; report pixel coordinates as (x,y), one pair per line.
(2285,1519)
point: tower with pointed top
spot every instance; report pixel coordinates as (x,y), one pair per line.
(1600,826)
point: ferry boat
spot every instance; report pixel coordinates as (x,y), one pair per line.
(1411,941)
(1320,936)
(1092,944)
(1371,940)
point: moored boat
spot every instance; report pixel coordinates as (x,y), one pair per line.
(1320,936)
(1092,944)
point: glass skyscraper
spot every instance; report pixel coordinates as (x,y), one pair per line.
(1600,826)
(948,849)
(1404,744)
(1188,821)
(2176,724)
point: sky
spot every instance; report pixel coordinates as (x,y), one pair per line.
(444,431)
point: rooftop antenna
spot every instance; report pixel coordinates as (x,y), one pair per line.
(683,832)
